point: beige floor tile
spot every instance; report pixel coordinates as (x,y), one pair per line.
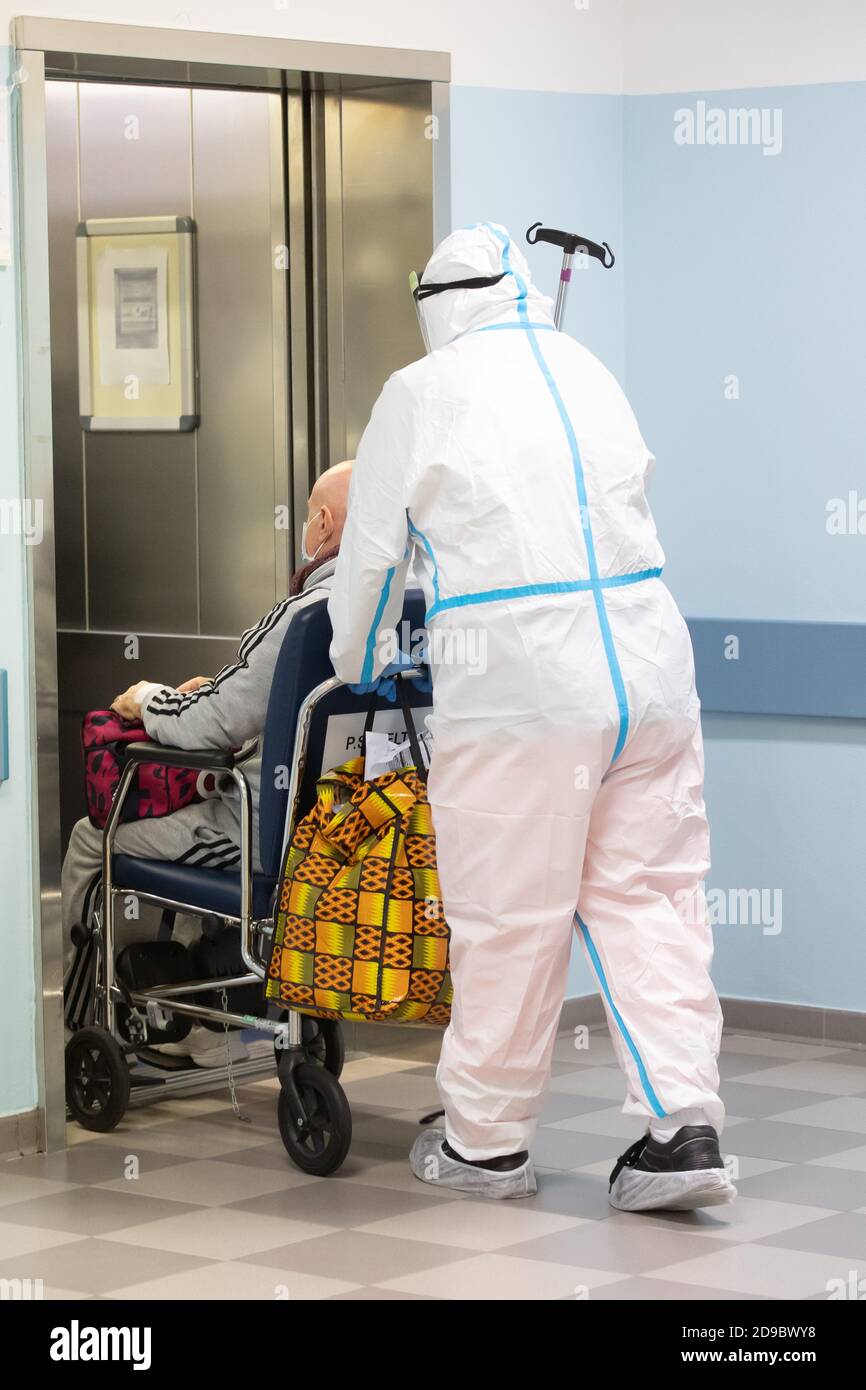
(854,1158)
(210,1183)
(826,1077)
(757,1269)
(472,1225)
(232,1282)
(229,1236)
(22,1240)
(605,1082)
(609,1120)
(502,1277)
(193,1139)
(89,1211)
(359,1256)
(397,1176)
(362,1068)
(747,1219)
(758,1044)
(98,1266)
(842,1112)
(19,1188)
(585,1050)
(399,1090)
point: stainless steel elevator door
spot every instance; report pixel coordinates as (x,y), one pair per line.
(311,207)
(378,155)
(170,538)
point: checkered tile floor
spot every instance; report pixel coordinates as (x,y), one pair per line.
(186,1201)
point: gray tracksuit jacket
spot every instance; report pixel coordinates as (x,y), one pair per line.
(230,710)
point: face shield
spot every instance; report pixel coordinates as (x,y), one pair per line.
(421,292)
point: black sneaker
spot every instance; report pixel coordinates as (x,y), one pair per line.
(686,1172)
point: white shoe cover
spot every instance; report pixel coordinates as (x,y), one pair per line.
(697,1187)
(431,1164)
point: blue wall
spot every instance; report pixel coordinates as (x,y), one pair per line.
(786,803)
(746,263)
(729,261)
(556,158)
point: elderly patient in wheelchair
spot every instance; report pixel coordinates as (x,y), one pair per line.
(224,712)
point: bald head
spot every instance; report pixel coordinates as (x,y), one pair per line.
(326,511)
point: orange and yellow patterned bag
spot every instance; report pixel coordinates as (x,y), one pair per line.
(360,932)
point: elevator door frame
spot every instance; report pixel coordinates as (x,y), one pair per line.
(95,51)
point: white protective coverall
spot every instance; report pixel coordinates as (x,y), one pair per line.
(566,783)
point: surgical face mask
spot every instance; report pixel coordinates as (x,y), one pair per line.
(305,555)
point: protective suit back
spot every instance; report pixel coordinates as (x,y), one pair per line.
(509,464)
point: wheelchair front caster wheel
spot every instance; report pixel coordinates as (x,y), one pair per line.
(322,1041)
(319,1143)
(97,1080)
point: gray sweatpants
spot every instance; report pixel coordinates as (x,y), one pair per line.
(203,835)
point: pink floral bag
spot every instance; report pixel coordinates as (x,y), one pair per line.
(157,791)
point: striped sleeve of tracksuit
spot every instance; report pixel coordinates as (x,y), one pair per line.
(231,708)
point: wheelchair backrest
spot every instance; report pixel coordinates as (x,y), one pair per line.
(304,663)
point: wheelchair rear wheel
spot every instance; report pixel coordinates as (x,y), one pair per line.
(97,1080)
(321,1143)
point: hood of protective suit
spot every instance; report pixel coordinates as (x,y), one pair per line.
(483,250)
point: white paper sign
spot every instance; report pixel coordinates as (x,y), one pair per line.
(343,736)
(132,312)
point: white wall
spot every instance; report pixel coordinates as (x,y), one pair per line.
(701,45)
(548,46)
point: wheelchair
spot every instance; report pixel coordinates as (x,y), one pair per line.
(147,995)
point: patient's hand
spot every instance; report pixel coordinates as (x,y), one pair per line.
(126,704)
(194,683)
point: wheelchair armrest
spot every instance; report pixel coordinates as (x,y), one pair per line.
(203,759)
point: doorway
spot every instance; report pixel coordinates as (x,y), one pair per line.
(312,190)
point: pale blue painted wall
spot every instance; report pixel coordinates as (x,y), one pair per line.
(556,158)
(728,261)
(17,955)
(740,262)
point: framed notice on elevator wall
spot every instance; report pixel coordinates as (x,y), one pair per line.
(136,323)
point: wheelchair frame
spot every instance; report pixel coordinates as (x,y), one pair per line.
(255,934)
(315,1121)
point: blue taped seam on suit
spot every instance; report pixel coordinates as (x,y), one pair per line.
(521,327)
(369,653)
(627,1038)
(601,610)
(572,586)
(413,531)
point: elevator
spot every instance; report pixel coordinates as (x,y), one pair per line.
(311,198)
(314,177)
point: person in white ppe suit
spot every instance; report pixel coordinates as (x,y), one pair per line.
(567,771)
